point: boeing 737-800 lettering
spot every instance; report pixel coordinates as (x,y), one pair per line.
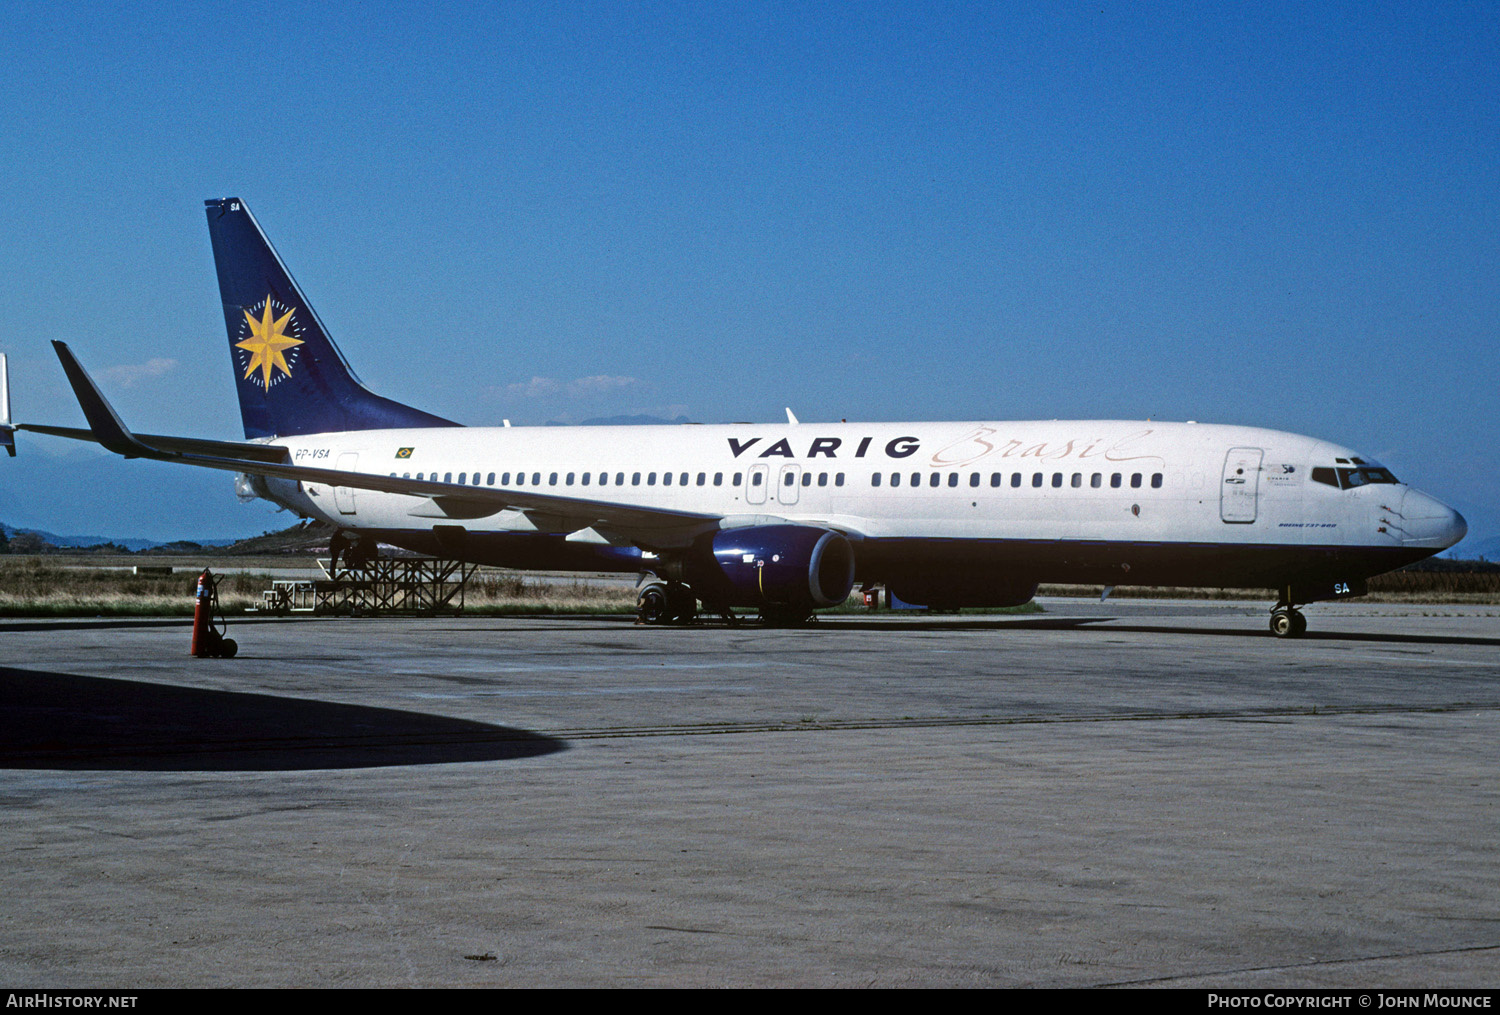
(784,518)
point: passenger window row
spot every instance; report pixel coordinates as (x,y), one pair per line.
(1038,479)
(934,479)
(790,479)
(593,478)
(636,478)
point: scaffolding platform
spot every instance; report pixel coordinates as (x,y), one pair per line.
(383,585)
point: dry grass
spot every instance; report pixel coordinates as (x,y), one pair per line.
(51,586)
(40,586)
(1438,583)
(45,586)
(497,592)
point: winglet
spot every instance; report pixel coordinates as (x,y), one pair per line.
(7,431)
(103,421)
(790,418)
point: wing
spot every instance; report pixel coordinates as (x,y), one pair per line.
(610,521)
(272,453)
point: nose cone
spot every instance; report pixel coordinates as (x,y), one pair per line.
(1427,521)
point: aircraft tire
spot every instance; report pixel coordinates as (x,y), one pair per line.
(681,604)
(1288,624)
(652,606)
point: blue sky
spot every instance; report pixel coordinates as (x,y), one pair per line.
(1285,216)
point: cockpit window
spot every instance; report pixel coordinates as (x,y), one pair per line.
(1368,474)
(1348,478)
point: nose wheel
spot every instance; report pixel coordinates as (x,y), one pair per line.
(1288,622)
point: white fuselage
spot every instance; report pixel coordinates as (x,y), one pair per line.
(1068,484)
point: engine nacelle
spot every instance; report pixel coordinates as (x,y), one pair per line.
(778,565)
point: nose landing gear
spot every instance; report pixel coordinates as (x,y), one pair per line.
(1286,620)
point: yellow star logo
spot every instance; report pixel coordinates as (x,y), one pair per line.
(266,343)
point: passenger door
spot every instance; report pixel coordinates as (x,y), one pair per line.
(1239,490)
(343,496)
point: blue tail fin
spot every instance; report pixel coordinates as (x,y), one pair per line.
(290,377)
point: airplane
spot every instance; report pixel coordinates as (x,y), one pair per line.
(783,518)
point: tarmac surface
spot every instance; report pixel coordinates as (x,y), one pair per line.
(1129,793)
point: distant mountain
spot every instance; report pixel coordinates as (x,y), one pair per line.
(133,545)
(1489,549)
(634,421)
(302,538)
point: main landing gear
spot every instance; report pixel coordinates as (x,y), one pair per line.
(660,601)
(358,551)
(664,602)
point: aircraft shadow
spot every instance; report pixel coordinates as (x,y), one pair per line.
(93,624)
(1259,631)
(78,723)
(1113,624)
(954,624)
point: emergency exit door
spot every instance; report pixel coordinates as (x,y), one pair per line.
(755,484)
(789,488)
